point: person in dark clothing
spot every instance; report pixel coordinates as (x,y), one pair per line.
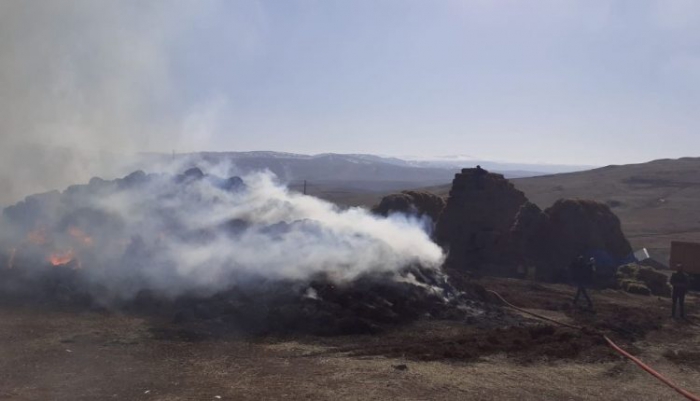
(680,282)
(582,275)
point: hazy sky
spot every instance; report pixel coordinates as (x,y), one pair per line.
(587,82)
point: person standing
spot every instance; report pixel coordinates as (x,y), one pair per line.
(582,275)
(680,282)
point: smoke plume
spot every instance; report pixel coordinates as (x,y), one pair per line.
(199,233)
(85,85)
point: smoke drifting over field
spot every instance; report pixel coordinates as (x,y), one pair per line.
(87,84)
(197,233)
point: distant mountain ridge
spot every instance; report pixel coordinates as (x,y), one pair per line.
(357,168)
(56,167)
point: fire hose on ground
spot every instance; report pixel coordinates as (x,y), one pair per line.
(612,345)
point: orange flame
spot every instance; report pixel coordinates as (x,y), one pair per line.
(11,260)
(38,236)
(61,258)
(80,235)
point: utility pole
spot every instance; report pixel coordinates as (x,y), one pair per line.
(304,187)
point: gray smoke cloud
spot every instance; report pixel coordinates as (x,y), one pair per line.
(196,233)
(86,85)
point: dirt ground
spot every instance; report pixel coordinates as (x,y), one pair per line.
(81,355)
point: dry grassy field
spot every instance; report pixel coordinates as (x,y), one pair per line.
(86,355)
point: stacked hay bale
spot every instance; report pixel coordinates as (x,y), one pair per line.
(411,202)
(643,280)
(576,227)
(475,225)
(489,227)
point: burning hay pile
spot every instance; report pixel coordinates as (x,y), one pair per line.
(240,251)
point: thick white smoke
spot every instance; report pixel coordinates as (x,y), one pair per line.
(88,84)
(193,233)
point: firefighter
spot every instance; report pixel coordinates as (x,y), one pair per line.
(680,282)
(582,275)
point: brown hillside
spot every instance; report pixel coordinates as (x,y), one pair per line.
(657,201)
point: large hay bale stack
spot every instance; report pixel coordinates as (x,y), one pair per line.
(413,203)
(489,226)
(576,227)
(475,224)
